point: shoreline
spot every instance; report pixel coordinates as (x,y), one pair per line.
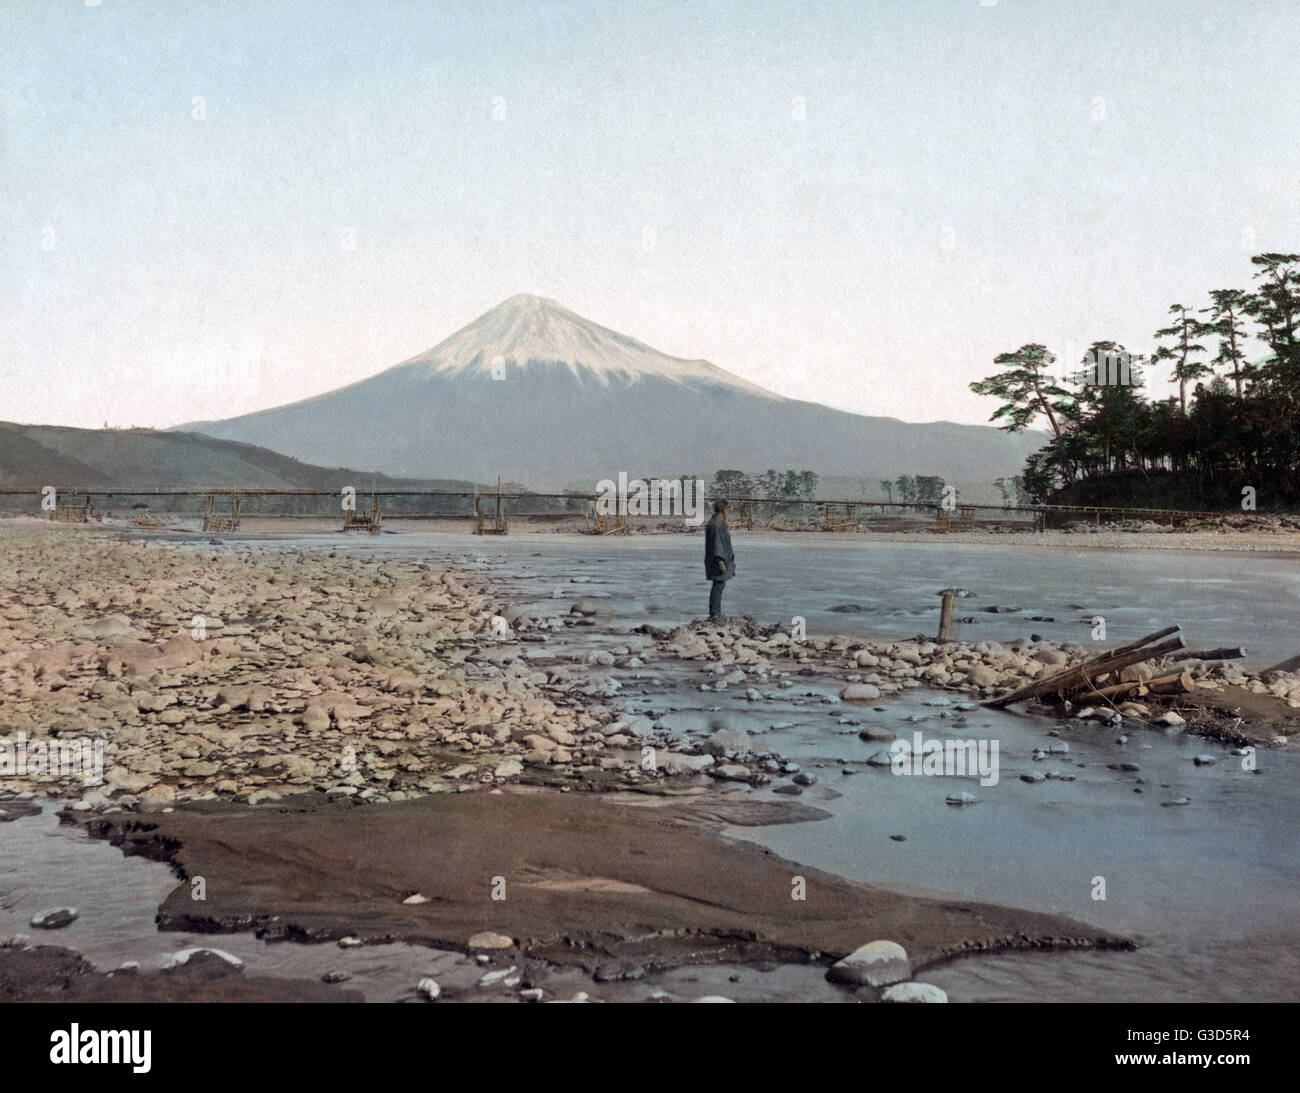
(1277,543)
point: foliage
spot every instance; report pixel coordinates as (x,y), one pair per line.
(1234,423)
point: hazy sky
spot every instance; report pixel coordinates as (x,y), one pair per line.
(211,208)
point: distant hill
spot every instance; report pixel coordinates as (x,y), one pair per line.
(52,455)
(537,394)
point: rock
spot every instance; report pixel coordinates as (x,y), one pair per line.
(860,692)
(415,900)
(1176,801)
(675,763)
(502,977)
(714,998)
(200,955)
(156,797)
(532,994)
(315,718)
(738,772)
(509,768)
(112,626)
(429,988)
(1035,777)
(1049,656)
(1204,760)
(962,798)
(803,778)
(618,971)
(725,740)
(913,992)
(53,918)
(875,964)
(336,977)
(12,809)
(350,942)
(488,940)
(880,758)
(875,732)
(1170,718)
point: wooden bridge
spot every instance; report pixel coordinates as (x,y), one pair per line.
(843,515)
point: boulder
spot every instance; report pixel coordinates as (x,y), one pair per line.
(725,740)
(860,692)
(54,918)
(913,992)
(875,964)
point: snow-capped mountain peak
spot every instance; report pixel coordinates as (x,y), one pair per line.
(528,329)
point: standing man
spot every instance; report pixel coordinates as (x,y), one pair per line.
(719,561)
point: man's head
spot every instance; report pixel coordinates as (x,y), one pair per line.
(720,507)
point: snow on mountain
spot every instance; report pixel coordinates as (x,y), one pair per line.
(525,329)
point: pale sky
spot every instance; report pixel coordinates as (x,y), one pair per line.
(213,208)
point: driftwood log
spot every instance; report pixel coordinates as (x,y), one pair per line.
(1173,684)
(1135,689)
(1228,652)
(1083,676)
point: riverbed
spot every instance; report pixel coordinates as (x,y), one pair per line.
(1196,860)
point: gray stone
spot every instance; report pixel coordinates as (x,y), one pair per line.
(184,956)
(725,740)
(860,692)
(875,964)
(913,992)
(53,918)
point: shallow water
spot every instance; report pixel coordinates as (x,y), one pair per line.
(47,864)
(1237,598)
(1210,890)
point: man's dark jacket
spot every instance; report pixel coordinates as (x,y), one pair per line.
(717,544)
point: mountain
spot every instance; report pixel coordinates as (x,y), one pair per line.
(532,392)
(40,455)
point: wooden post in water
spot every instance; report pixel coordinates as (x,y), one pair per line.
(945,615)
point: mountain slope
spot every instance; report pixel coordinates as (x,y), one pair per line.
(40,455)
(535,393)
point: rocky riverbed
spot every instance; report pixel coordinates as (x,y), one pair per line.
(241,676)
(311,686)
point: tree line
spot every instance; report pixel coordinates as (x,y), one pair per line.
(770,485)
(923,488)
(1234,423)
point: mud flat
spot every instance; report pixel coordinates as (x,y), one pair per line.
(540,881)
